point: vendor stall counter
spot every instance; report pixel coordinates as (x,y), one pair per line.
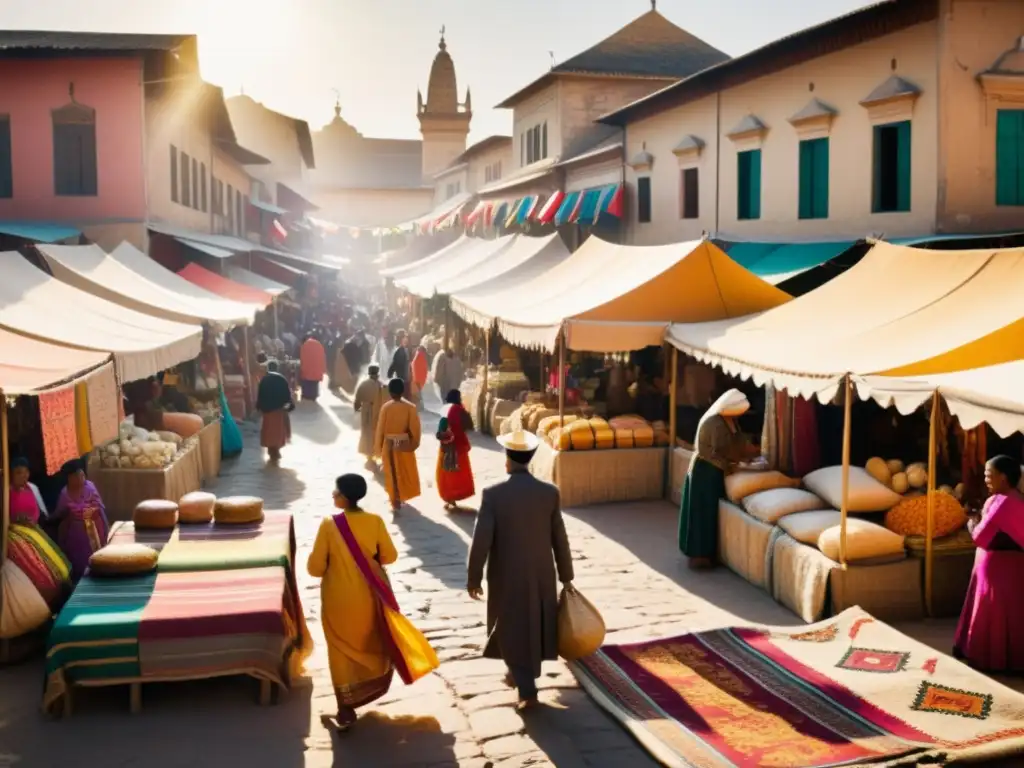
(601,476)
(123,488)
(210,449)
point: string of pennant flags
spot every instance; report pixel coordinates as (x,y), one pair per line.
(586,206)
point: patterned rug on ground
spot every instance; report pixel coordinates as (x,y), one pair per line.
(847,691)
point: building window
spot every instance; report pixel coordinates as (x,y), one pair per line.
(6,164)
(748,187)
(534,143)
(186,180)
(497,170)
(239,214)
(74,150)
(689,191)
(891,188)
(814,179)
(174,174)
(1009,157)
(522,149)
(544,141)
(643,199)
(202,188)
(231,208)
(195,183)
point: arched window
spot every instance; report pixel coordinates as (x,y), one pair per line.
(74,150)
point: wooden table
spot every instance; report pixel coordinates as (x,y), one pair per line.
(121,489)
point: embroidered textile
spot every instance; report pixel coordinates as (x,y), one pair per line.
(57,414)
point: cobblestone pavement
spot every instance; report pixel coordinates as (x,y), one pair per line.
(462,715)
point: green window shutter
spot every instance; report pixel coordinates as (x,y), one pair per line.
(903,167)
(1010,157)
(819,199)
(742,185)
(755,184)
(876,169)
(806,204)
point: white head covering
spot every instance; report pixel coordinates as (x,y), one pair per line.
(731,403)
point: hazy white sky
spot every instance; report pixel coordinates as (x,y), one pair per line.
(292,54)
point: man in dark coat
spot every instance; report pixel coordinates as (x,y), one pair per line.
(401,361)
(518,528)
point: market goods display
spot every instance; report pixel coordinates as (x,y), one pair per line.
(184,424)
(739,485)
(155,514)
(806,527)
(910,516)
(196,507)
(549,423)
(632,432)
(864,541)
(138,448)
(123,560)
(505,385)
(661,436)
(23,608)
(238,510)
(866,494)
(206,410)
(770,506)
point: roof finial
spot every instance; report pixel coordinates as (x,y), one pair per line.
(337,102)
(654,5)
(442,45)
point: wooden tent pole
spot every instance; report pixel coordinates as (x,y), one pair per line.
(561,380)
(929,552)
(487,365)
(250,396)
(844,506)
(672,402)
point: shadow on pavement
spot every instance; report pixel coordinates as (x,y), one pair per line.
(649,530)
(381,740)
(309,422)
(440,549)
(210,722)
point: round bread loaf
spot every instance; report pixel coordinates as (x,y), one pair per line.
(196,507)
(237,510)
(155,513)
(122,560)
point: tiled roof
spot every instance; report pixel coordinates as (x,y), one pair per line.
(15,39)
(650,46)
(869,23)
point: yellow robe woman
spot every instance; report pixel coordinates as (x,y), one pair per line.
(368,400)
(398,437)
(361,668)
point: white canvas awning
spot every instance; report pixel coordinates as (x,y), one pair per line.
(473,252)
(900,312)
(33,303)
(993,394)
(614,298)
(522,250)
(130,278)
(28,366)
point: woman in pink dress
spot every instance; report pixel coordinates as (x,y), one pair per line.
(83,519)
(990,635)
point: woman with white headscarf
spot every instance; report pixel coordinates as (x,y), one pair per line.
(719,445)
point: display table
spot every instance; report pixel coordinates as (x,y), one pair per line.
(122,489)
(954,563)
(601,476)
(679,459)
(743,543)
(210,449)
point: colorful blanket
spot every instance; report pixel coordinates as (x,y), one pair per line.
(174,626)
(210,547)
(847,691)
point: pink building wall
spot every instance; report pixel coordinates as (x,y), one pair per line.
(29,90)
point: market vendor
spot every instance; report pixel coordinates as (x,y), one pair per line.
(83,518)
(140,397)
(26,503)
(719,446)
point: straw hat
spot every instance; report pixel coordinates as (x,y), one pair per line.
(519,441)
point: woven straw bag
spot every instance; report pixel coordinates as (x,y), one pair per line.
(580,626)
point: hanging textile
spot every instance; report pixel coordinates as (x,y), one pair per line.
(57,418)
(104,398)
(770,429)
(806,453)
(784,421)
(82,418)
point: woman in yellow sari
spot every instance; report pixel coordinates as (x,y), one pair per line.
(368,638)
(396,441)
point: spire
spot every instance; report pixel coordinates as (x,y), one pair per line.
(469,100)
(654,5)
(442,45)
(337,104)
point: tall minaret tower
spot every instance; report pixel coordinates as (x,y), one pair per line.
(444,122)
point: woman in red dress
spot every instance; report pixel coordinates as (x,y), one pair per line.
(454,473)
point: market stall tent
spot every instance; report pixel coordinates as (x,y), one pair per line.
(425,263)
(993,394)
(89,268)
(900,312)
(520,252)
(225,287)
(474,252)
(34,304)
(28,366)
(265,284)
(623,297)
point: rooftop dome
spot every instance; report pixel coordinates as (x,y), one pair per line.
(442,89)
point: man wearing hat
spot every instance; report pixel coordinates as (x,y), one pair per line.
(518,528)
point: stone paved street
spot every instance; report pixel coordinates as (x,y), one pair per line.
(626,562)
